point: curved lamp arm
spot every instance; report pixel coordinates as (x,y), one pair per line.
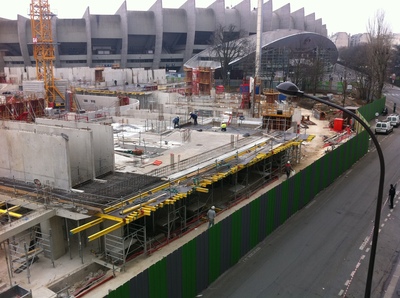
(289,88)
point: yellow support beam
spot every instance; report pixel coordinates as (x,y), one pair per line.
(141,195)
(202,189)
(106,231)
(86,226)
(13,214)
(10,211)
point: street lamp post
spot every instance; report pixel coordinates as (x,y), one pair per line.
(229,80)
(289,88)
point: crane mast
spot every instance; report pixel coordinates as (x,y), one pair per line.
(43,48)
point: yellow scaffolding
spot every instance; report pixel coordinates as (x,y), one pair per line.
(128,214)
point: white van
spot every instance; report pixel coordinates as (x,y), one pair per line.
(383,127)
(394,120)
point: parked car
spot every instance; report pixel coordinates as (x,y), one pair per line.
(394,120)
(383,127)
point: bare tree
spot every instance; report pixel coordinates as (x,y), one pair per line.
(229,45)
(356,58)
(379,52)
(394,65)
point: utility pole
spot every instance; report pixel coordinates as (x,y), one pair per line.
(344,84)
(258,53)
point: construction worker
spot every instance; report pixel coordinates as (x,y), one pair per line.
(211,214)
(194,117)
(223,126)
(288,169)
(175,121)
(392,193)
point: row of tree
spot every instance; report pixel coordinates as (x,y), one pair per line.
(374,61)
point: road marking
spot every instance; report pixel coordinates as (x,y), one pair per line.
(341,293)
(364,243)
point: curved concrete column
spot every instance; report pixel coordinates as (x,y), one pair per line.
(267,16)
(23,39)
(310,23)
(123,13)
(244,10)
(298,19)
(190,9)
(284,17)
(158,17)
(219,11)
(89,59)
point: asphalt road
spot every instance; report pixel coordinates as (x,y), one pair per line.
(392,94)
(323,250)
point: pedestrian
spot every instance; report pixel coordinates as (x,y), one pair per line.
(223,126)
(288,169)
(194,117)
(115,82)
(394,108)
(392,192)
(175,121)
(211,216)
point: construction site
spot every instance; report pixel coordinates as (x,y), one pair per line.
(95,179)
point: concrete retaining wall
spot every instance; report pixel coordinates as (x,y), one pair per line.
(103,144)
(27,156)
(57,156)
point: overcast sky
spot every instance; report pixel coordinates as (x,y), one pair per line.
(349,16)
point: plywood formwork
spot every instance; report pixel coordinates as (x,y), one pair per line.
(18,108)
(276,116)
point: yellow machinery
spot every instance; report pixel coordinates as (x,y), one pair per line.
(43,48)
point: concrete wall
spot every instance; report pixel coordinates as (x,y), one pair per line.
(26,155)
(59,156)
(103,145)
(55,224)
(85,76)
(94,102)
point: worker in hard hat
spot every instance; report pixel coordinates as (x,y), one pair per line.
(175,121)
(288,169)
(223,126)
(211,214)
(194,117)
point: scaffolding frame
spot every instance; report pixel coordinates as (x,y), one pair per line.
(117,249)
(24,254)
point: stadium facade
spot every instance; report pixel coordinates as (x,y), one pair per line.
(153,39)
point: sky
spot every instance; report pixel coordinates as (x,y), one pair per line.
(350,16)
